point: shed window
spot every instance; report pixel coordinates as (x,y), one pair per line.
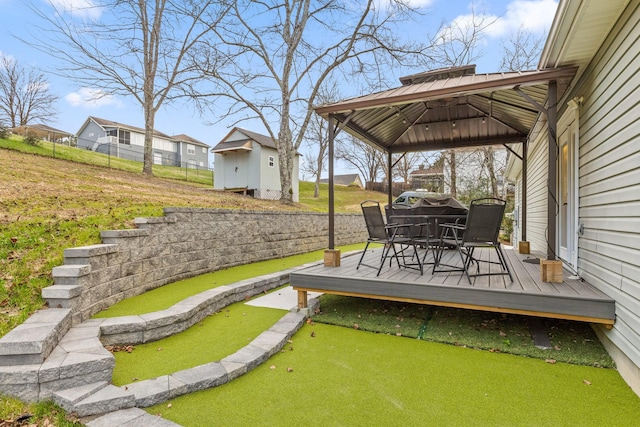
(272,161)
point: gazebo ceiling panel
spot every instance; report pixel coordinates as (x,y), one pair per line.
(467,110)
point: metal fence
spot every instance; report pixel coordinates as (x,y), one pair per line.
(167,167)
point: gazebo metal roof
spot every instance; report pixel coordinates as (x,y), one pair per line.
(449,108)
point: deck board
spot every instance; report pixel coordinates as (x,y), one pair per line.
(527,294)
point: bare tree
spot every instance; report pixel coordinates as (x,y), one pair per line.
(317,137)
(522,51)
(457,43)
(365,158)
(404,164)
(137,48)
(275,55)
(24,94)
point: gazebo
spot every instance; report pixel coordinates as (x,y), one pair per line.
(446,109)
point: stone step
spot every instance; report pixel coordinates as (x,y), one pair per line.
(133,417)
(93,399)
(32,341)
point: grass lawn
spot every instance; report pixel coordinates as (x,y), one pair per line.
(340,376)
(333,375)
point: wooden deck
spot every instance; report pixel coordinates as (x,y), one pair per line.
(572,299)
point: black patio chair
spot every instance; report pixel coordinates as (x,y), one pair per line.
(388,235)
(480,231)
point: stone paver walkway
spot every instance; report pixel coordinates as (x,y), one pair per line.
(71,366)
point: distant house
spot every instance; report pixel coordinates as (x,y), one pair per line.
(348,179)
(42,131)
(430,179)
(248,161)
(127,142)
(193,153)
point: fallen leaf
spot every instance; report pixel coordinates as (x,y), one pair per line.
(557,347)
(289,369)
(587,382)
(398,334)
(159,348)
(551,361)
(502,334)
(291,348)
(272,367)
(356,326)
(313,334)
(169,405)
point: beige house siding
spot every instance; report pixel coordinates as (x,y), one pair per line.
(536,195)
(609,177)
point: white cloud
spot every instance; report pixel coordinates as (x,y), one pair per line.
(91,98)
(80,8)
(532,15)
(419,4)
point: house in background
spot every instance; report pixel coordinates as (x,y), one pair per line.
(193,153)
(596,153)
(430,179)
(346,180)
(42,131)
(248,162)
(127,142)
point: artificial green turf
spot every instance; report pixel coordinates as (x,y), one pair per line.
(170,294)
(216,337)
(571,342)
(341,376)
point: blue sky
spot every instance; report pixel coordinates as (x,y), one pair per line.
(76,103)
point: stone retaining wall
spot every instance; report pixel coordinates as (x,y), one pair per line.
(186,242)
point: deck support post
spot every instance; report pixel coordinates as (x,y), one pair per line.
(302,299)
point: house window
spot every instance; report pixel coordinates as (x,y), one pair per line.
(191,164)
(124,137)
(272,161)
(191,149)
(204,150)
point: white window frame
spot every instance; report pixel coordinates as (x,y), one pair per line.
(191,150)
(271,161)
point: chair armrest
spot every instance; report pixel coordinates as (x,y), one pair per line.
(452,225)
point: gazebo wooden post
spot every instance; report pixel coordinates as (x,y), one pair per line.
(551,269)
(552,123)
(389,178)
(331,255)
(523,245)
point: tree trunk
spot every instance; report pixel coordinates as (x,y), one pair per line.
(286,154)
(452,166)
(149,119)
(490,162)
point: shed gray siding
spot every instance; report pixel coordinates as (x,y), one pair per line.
(609,177)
